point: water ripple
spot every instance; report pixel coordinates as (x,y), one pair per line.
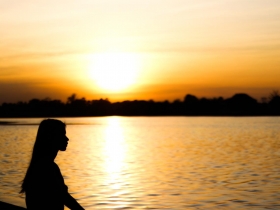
(158,163)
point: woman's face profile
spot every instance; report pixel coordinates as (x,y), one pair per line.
(62,141)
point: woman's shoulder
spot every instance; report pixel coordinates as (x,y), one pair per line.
(43,169)
(56,167)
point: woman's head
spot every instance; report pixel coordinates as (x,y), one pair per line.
(51,136)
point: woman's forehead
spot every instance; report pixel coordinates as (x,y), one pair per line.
(60,131)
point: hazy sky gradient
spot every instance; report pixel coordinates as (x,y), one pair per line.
(205,47)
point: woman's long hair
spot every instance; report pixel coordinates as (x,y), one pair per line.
(43,146)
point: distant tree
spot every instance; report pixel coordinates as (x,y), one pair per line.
(47,99)
(264,100)
(191,103)
(275,94)
(241,104)
(34,102)
(71,98)
(176,101)
(190,99)
(274,103)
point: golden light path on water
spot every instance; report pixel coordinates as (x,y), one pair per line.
(118,187)
(114,152)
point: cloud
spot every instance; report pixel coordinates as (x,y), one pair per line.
(38,55)
(258,48)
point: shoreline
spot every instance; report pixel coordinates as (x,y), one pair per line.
(8,206)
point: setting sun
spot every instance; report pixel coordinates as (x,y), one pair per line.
(114,71)
(138,50)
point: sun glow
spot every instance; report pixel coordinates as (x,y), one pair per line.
(114,71)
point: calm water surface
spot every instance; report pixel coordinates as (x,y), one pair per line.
(156,162)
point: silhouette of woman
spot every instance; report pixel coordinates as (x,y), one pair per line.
(43,184)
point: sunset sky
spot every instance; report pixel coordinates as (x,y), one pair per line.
(132,49)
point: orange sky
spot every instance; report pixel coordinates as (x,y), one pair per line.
(161,49)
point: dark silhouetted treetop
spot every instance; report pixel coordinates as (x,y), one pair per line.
(240,104)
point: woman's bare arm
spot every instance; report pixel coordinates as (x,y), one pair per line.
(71,203)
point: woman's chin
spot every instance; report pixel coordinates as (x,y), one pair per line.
(63,149)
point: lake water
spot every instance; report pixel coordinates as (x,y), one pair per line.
(156,162)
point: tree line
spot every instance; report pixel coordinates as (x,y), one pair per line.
(240,104)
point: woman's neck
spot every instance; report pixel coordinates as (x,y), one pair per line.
(53,155)
(49,157)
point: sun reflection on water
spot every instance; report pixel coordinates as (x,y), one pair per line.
(114,152)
